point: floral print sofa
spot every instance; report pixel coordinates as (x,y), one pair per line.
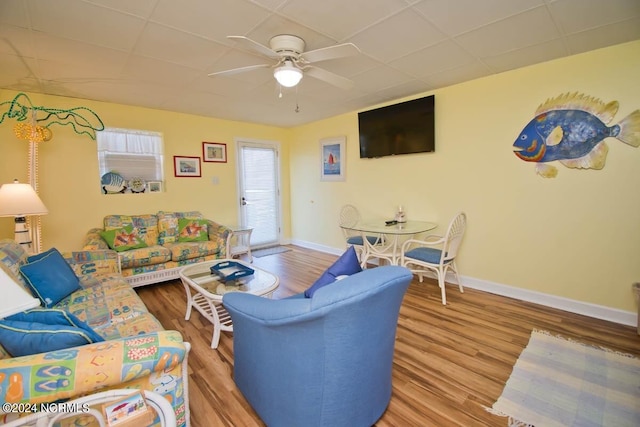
(170,240)
(136,353)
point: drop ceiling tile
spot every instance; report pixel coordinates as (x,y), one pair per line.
(232,59)
(464,73)
(13,12)
(219,86)
(350,66)
(465,15)
(141,8)
(578,15)
(606,35)
(210,19)
(168,44)
(78,73)
(157,71)
(528,28)
(397,36)
(9,81)
(77,20)
(379,78)
(99,61)
(338,18)
(21,68)
(434,59)
(16,41)
(527,56)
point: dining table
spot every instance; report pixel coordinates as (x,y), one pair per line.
(389,237)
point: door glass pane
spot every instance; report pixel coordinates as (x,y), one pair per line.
(259,189)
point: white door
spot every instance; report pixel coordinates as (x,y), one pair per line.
(259,190)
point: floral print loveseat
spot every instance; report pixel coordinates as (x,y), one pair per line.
(169,241)
(135,353)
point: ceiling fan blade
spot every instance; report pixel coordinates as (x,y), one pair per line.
(331,52)
(329,77)
(239,70)
(255,46)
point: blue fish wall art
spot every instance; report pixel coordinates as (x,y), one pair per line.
(571,129)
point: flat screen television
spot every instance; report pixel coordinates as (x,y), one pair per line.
(404,128)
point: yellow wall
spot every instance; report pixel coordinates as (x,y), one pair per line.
(70,182)
(575,236)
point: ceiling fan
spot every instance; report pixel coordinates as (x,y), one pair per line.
(292,61)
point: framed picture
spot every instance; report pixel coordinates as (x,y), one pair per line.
(332,158)
(154,186)
(186,166)
(214,152)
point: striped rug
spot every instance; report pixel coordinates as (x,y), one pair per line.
(558,382)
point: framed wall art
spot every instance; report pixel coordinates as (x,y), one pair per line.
(154,186)
(186,166)
(332,158)
(214,152)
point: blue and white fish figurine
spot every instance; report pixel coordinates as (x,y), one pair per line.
(571,129)
(113,183)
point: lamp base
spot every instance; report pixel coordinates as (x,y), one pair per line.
(22,234)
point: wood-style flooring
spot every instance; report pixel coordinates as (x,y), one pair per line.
(450,362)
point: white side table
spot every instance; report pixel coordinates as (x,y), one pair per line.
(242,243)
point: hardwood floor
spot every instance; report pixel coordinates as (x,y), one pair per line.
(450,362)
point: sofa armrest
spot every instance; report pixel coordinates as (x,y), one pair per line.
(155,361)
(93,241)
(219,232)
(93,264)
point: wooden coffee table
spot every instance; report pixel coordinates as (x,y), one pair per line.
(205,290)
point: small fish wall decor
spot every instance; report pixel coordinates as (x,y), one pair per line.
(572,129)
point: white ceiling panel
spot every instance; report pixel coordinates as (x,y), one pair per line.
(78,20)
(157,53)
(461,16)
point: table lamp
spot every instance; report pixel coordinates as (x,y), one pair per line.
(21,200)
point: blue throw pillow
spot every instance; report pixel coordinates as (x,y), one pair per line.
(50,277)
(346,265)
(26,338)
(54,316)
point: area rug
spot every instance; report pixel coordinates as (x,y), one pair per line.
(560,382)
(269,251)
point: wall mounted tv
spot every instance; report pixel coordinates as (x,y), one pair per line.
(404,128)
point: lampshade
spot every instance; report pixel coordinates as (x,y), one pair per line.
(20,200)
(288,75)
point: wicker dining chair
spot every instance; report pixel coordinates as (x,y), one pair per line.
(436,253)
(349,217)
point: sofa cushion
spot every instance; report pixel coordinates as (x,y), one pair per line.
(168,225)
(192,230)
(346,265)
(53,316)
(144,256)
(123,239)
(50,277)
(147,225)
(141,323)
(25,338)
(100,305)
(182,251)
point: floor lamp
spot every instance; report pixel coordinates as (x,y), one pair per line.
(21,200)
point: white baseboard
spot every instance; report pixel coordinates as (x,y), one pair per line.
(592,310)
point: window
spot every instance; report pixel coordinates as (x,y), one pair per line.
(129,160)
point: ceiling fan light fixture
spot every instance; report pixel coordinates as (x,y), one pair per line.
(288,75)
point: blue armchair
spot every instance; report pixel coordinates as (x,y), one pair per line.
(320,361)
